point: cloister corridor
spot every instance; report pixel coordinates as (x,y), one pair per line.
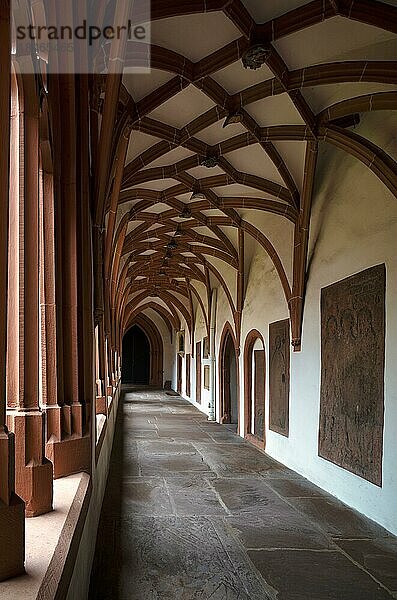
(193,511)
(198,317)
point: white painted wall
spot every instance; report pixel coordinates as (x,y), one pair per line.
(199,333)
(354,226)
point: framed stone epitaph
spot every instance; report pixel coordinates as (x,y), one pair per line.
(352,373)
(206,377)
(279,357)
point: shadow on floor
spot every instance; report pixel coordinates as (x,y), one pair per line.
(105,574)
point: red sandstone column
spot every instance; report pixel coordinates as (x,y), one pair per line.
(101,399)
(108,259)
(109,388)
(12,520)
(109,378)
(48,312)
(69,254)
(57,449)
(86,331)
(73,453)
(74,307)
(33,472)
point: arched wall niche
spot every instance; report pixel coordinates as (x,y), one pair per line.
(156,347)
(227,340)
(252,339)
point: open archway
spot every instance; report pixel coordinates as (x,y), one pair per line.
(152,353)
(229,378)
(254,388)
(136,357)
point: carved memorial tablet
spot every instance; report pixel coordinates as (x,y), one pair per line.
(206,377)
(352,373)
(279,341)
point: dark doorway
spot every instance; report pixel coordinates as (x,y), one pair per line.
(179,374)
(229,382)
(254,388)
(136,357)
(259,394)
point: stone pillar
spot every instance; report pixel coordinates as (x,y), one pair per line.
(121,155)
(72,454)
(85,298)
(101,400)
(48,313)
(33,472)
(12,518)
(109,388)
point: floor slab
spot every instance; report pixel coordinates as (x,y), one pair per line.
(318,575)
(336,519)
(194,512)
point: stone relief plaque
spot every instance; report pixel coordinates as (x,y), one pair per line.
(279,357)
(352,373)
(206,377)
(206,347)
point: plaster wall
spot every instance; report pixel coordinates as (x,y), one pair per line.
(354,226)
(199,333)
(264,303)
(174,350)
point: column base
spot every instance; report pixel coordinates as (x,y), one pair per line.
(53,417)
(69,456)
(36,488)
(12,538)
(98,384)
(77,418)
(7,464)
(101,405)
(33,472)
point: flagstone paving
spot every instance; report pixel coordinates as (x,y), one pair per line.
(192,511)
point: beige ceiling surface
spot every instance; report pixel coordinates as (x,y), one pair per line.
(274,168)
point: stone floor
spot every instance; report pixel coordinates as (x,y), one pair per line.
(191,511)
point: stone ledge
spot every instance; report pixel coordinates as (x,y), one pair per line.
(51,543)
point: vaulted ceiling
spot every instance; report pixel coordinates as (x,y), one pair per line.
(215,150)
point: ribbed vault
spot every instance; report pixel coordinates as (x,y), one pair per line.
(217,148)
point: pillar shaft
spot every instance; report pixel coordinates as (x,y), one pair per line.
(69,255)
(48,312)
(72,453)
(85,263)
(33,472)
(102,358)
(12,522)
